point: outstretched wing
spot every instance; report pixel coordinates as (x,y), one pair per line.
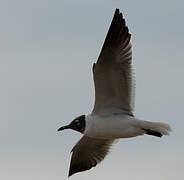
(113,76)
(87,153)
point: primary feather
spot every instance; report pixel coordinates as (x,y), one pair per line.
(113,76)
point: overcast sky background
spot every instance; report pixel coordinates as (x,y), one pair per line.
(47,49)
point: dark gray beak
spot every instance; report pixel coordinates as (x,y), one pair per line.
(64,127)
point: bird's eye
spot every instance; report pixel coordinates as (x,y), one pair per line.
(78,123)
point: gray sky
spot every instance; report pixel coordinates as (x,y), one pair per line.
(47,49)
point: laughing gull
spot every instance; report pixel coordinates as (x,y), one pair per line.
(112,117)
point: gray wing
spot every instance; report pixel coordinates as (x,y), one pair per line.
(87,153)
(113,75)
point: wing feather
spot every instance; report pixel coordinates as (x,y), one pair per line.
(113,72)
(87,153)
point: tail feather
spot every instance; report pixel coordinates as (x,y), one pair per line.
(155,128)
(153,133)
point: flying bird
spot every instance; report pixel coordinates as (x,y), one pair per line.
(112,117)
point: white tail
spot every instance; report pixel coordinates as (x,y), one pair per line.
(155,128)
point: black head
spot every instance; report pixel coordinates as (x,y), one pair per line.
(78,124)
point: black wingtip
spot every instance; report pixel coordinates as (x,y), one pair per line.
(70,174)
(73,171)
(116,13)
(117,35)
(117,10)
(79,168)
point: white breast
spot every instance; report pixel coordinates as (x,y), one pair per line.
(112,126)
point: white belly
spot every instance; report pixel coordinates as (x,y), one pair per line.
(112,127)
